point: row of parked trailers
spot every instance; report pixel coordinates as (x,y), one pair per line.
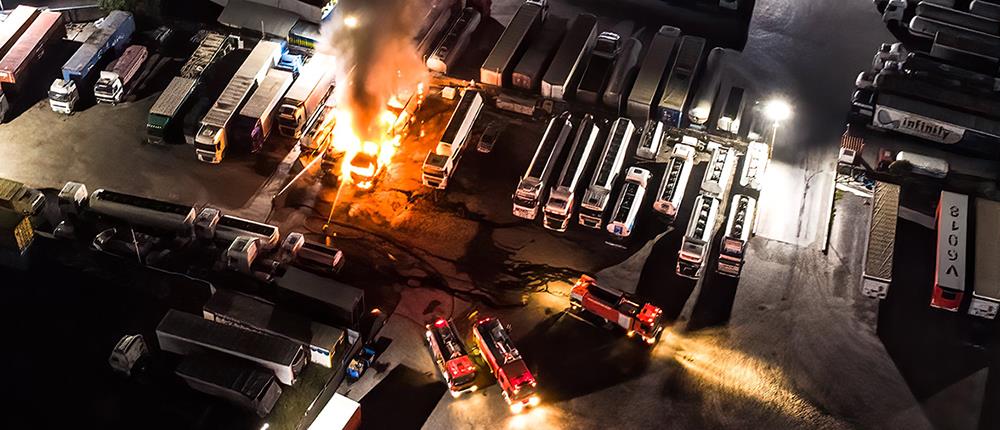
(678,81)
(573,142)
(954,216)
(25,36)
(261,340)
(941,86)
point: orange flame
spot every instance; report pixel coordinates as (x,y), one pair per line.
(363,161)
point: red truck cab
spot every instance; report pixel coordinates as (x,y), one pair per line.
(617,307)
(449,354)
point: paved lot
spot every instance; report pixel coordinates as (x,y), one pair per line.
(793,345)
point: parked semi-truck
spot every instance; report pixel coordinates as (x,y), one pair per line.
(112,33)
(598,67)
(211,140)
(952,247)
(110,86)
(17,61)
(304,98)
(497,68)
(254,123)
(233,308)
(986,274)
(680,81)
(172,100)
(708,86)
(187,334)
(652,73)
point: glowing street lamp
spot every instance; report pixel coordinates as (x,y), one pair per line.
(351,21)
(776,111)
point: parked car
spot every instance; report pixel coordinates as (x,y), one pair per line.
(489,137)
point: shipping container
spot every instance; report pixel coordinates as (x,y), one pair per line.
(320,299)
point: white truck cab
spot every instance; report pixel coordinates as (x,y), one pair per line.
(894,11)
(109,88)
(128,351)
(63,96)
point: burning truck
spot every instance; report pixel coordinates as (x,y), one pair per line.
(377,65)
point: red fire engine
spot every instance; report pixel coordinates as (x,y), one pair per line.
(513,376)
(449,353)
(617,307)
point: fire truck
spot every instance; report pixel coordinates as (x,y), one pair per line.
(505,362)
(449,354)
(617,307)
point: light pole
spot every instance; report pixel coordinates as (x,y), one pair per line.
(776,110)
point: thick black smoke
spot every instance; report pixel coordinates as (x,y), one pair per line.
(372,41)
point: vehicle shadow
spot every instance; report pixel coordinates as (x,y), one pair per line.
(410,396)
(572,357)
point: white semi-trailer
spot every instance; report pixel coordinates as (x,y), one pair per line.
(211,140)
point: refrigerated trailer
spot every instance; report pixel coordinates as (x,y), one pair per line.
(234,380)
(700,105)
(677,90)
(319,298)
(111,34)
(528,72)
(304,99)
(255,314)
(986,272)
(30,47)
(497,68)
(211,140)
(254,123)
(652,70)
(985,104)
(110,86)
(936,123)
(187,334)
(562,74)
(172,100)
(620,80)
(952,239)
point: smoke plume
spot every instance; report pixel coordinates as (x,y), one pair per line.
(372,41)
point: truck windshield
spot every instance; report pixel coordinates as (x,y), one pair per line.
(59,97)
